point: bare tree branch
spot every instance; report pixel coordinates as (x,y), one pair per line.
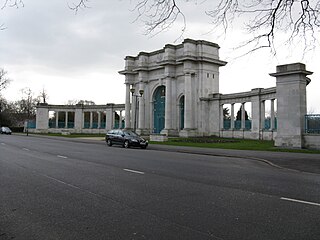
(12,3)
(299,19)
(158,15)
(4,81)
(80,4)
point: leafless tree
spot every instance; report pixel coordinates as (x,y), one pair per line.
(4,81)
(43,96)
(11,3)
(299,19)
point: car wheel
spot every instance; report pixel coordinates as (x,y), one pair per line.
(109,143)
(126,144)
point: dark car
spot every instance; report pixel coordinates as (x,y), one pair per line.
(5,130)
(125,138)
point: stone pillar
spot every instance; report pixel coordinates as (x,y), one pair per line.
(127,107)
(133,111)
(42,119)
(291,104)
(99,120)
(78,119)
(66,120)
(256,113)
(57,119)
(120,119)
(221,117)
(189,129)
(141,111)
(168,129)
(91,120)
(263,114)
(272,116)
(168,105)
(109,118)
(243,116)
(232,117)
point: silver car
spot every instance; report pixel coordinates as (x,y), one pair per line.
(6,130)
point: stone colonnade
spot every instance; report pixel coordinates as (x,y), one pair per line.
(215,124)
(79,118)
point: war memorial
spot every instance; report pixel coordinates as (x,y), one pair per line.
(174,91)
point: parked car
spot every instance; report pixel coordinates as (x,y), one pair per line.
(5,130)
(125,138)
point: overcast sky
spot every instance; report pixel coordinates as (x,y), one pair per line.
(77,56)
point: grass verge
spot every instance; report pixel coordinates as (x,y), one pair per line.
(227,143)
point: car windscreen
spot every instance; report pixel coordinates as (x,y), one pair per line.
(129,133)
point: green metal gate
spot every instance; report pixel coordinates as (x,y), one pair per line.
(159,99)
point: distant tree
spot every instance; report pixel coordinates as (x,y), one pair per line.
(43,96)
(4,81)
(239,114)
(226,114)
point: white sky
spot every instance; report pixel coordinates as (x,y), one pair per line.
(77,56)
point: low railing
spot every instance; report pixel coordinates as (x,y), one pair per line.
(312,123)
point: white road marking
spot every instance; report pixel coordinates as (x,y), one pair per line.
(3,144)
(133,171)
(60,156)
(26,149)
(300,201)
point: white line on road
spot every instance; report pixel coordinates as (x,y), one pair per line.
(26,149)
(133,171)
(60,156)
(300,201)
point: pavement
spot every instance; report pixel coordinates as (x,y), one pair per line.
(303,162)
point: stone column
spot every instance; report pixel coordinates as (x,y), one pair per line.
(78,119)
(109,118)
(91,120)
(133,111)
(188,118)
(42,119)
(99,120)
(221,117)
(141,111)
(272,123)
(232,117)
(256,113)
(57,119)
(168,105)
(120,119)
(168,125)
(291,104)
(263,114)
(243,116)
(66,120)
(127,107)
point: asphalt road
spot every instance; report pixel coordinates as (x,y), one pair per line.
(61,189)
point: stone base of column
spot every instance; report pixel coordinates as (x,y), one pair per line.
(143,131)
(188,132)
(170,132)
(289,142)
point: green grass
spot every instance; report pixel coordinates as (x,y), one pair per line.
(227,143)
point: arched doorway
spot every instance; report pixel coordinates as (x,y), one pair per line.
(159,99)
(181,112)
